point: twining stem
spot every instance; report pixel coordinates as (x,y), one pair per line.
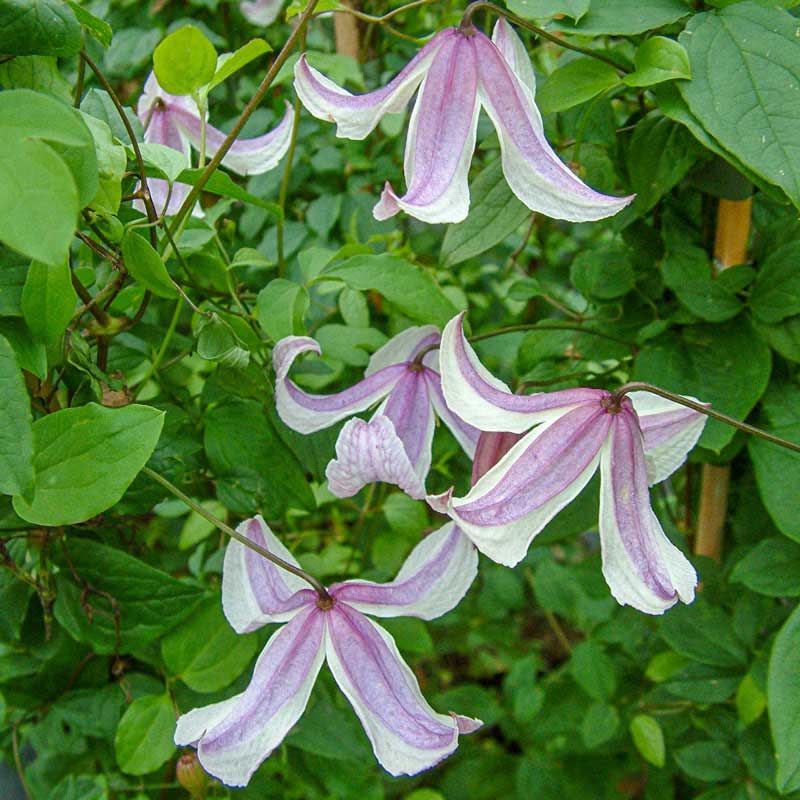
(638,386)
(345,31)
(255,101)
(173,324)
(321,591)
(466,25)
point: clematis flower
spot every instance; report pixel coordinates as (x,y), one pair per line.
(460,72)
(636,443)
(261,12)
(174,121)
(233,737)
(395,445)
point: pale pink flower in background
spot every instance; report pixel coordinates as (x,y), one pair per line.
(261,12)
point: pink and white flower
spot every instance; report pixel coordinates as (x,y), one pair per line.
(395,444)
(174,121)
(261,12)
(460,72)
(234,736)
(568,435)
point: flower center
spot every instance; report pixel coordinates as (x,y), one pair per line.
(326,603)
(612,403)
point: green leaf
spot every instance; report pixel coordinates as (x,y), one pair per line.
(411,635)
(745,87)
(545,9)
(624,18)
(145,264)
(604,272)
(48,300)
(144,736)
(772,567)
(575,83)
(196,528)
(726,365)
(229,63)
(494,214)
(205,652)
(783,702)
(98,28)
(15,595)
(649,739)
(348,344)
(599,725)
(222,184)
(776,294)
(751,702)
(38,27)
(111,164)
(184,61)
(593,670)
(659,59)
(777,469)
(39,73)
(85,458)
(282,304)
(406,286)
(16,434)
(31,352)
(149,601)
(708,761)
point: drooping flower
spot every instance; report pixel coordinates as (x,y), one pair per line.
(636,443)
(233,737)
(395,445)
(261,12)
(174,121)
(460,71)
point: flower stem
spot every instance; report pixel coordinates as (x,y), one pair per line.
(321,591)
(280,228)
(637,386)
(466,24)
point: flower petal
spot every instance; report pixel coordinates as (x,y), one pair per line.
(357,115)
(466,435)
(441,140)
(670,431)
(407,735)
(254,591)
(491,448)
(476,396)
(534,172)
(235,736)
(409,409)
(513,51)
(433,580)
(540,475)
(307,413)
(372,451)
(402,348)
(261,12)
(642,567)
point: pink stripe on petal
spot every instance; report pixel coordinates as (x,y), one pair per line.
(533,171)
(433,580)
(407,735)
(466,435)
(408,406)
(235,736)
(403,347)
(641,566)
(513,51)
(491,448)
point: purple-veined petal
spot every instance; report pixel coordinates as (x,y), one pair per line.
(306,413)
(642,567)
(513,51)
(466,435)
(408,407)
(441,140)
(261,12)
(490,449)
(407,735)
(432,581)
(233,737)
(480,399)
(540,475)
(402,348)
(670,431)
(165,203)
(534,172)
(254,591)
(367,452)
(245,156)
(357,115)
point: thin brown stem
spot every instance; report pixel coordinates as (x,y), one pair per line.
(89,303)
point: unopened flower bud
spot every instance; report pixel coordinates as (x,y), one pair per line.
(191,776)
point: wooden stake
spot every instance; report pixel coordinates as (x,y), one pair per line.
(730,248)
(345,29)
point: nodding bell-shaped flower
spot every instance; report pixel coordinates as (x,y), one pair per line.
(395,445)
(636,442)
(261,12)
(174,121)
(460,71)
(233,737)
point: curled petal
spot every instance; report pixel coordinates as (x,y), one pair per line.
(466,435)
(540,475)
(476,396)
(254,591)
(372,451)
(433,580)
(409,409)
(306,413)
(407,735)
(403,348)
(513,51)
(261,12)
(235,736)
(670,431)
(642,567)
(491,448)
(357,115)
(441,140)
(534,172)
